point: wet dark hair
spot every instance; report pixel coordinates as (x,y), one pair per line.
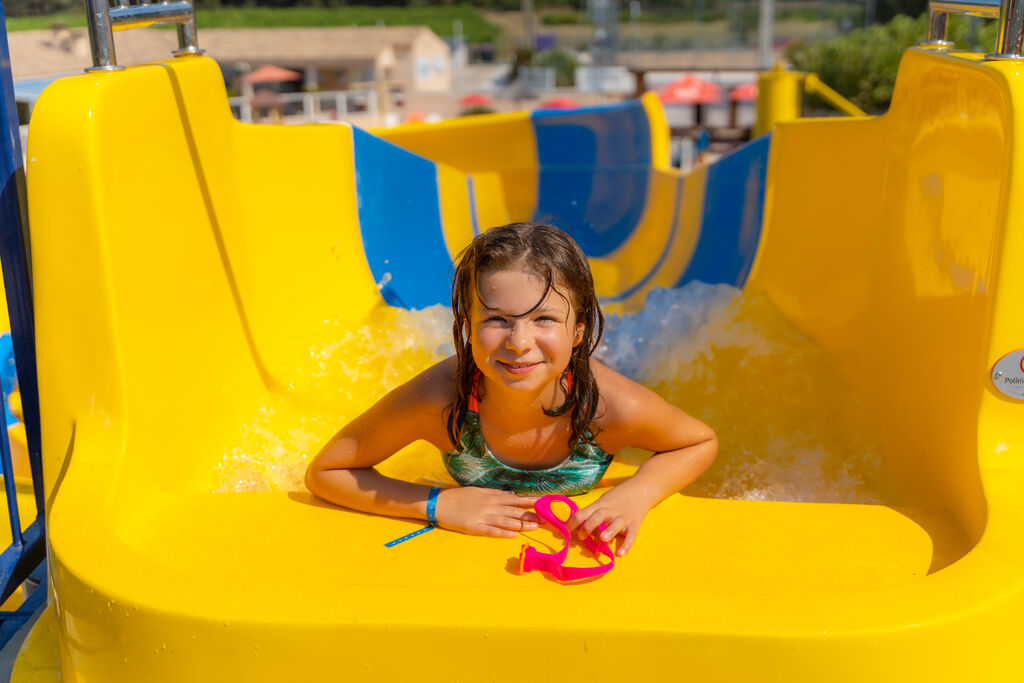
(554,257)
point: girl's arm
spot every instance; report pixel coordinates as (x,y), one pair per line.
(343,472)
(683,446)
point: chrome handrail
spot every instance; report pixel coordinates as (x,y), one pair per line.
(103,20)
(974,8)
(1010,39)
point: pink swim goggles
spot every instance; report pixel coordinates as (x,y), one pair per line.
(531,559)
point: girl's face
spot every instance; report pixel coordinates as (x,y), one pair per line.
(519,349)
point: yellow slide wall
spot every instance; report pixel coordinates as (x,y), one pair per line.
(186,263)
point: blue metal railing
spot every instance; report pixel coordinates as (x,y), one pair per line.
(27,551)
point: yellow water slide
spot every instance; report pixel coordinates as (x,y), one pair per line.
(214,299)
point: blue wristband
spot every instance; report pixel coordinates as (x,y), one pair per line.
(435,491)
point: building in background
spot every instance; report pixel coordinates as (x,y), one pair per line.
(412,58)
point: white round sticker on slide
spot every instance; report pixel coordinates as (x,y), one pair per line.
(1008,374)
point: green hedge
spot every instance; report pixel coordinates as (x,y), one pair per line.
(46,21)
(475,28)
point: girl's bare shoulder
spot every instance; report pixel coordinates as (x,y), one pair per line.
(632,415)
(621,399)
(432,389)
(418,406)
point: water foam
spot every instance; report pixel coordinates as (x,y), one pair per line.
(788,426)
(729,359)
(330,385)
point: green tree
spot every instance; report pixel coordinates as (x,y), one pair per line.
(35,8)
(887,10)
(862,64)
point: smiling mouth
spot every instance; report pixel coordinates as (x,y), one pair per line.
(518,368)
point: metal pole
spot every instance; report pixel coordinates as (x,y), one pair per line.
(937,25)
(937,31)
(103,21)
(101,36)
(765,33)
(188,42)
(974,8)
(124,16)
(1010,42)
(528,30)
(459,56)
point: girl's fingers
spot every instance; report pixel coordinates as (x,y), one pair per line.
(578,518)
(614,527)
(518,513)
(627,541)
(495,531)
(512,498)
(591,523)
(527,516)
(515,519)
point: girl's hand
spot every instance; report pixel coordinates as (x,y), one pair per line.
(623,511)
(485,512)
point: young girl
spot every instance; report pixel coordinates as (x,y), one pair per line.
(521,409)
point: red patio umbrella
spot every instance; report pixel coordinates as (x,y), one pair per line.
(268,73)
(690,90)
(559,103)
(475,100)
(744,93)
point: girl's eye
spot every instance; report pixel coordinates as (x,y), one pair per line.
(547,319)
(494,319)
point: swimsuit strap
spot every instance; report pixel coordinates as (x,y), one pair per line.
(473,404)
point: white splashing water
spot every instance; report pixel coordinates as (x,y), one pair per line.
(789,429)
(330,385)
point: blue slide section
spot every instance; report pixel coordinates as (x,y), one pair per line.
(400,222)
(733,210)
(594,166)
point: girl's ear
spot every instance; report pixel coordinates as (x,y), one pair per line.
(580,329)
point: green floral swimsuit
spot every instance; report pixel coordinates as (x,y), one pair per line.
(473,464)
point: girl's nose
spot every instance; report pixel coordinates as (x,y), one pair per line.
(519,338)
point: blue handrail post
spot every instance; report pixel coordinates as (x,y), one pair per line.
(28,548)
(9,486)
(15,253)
